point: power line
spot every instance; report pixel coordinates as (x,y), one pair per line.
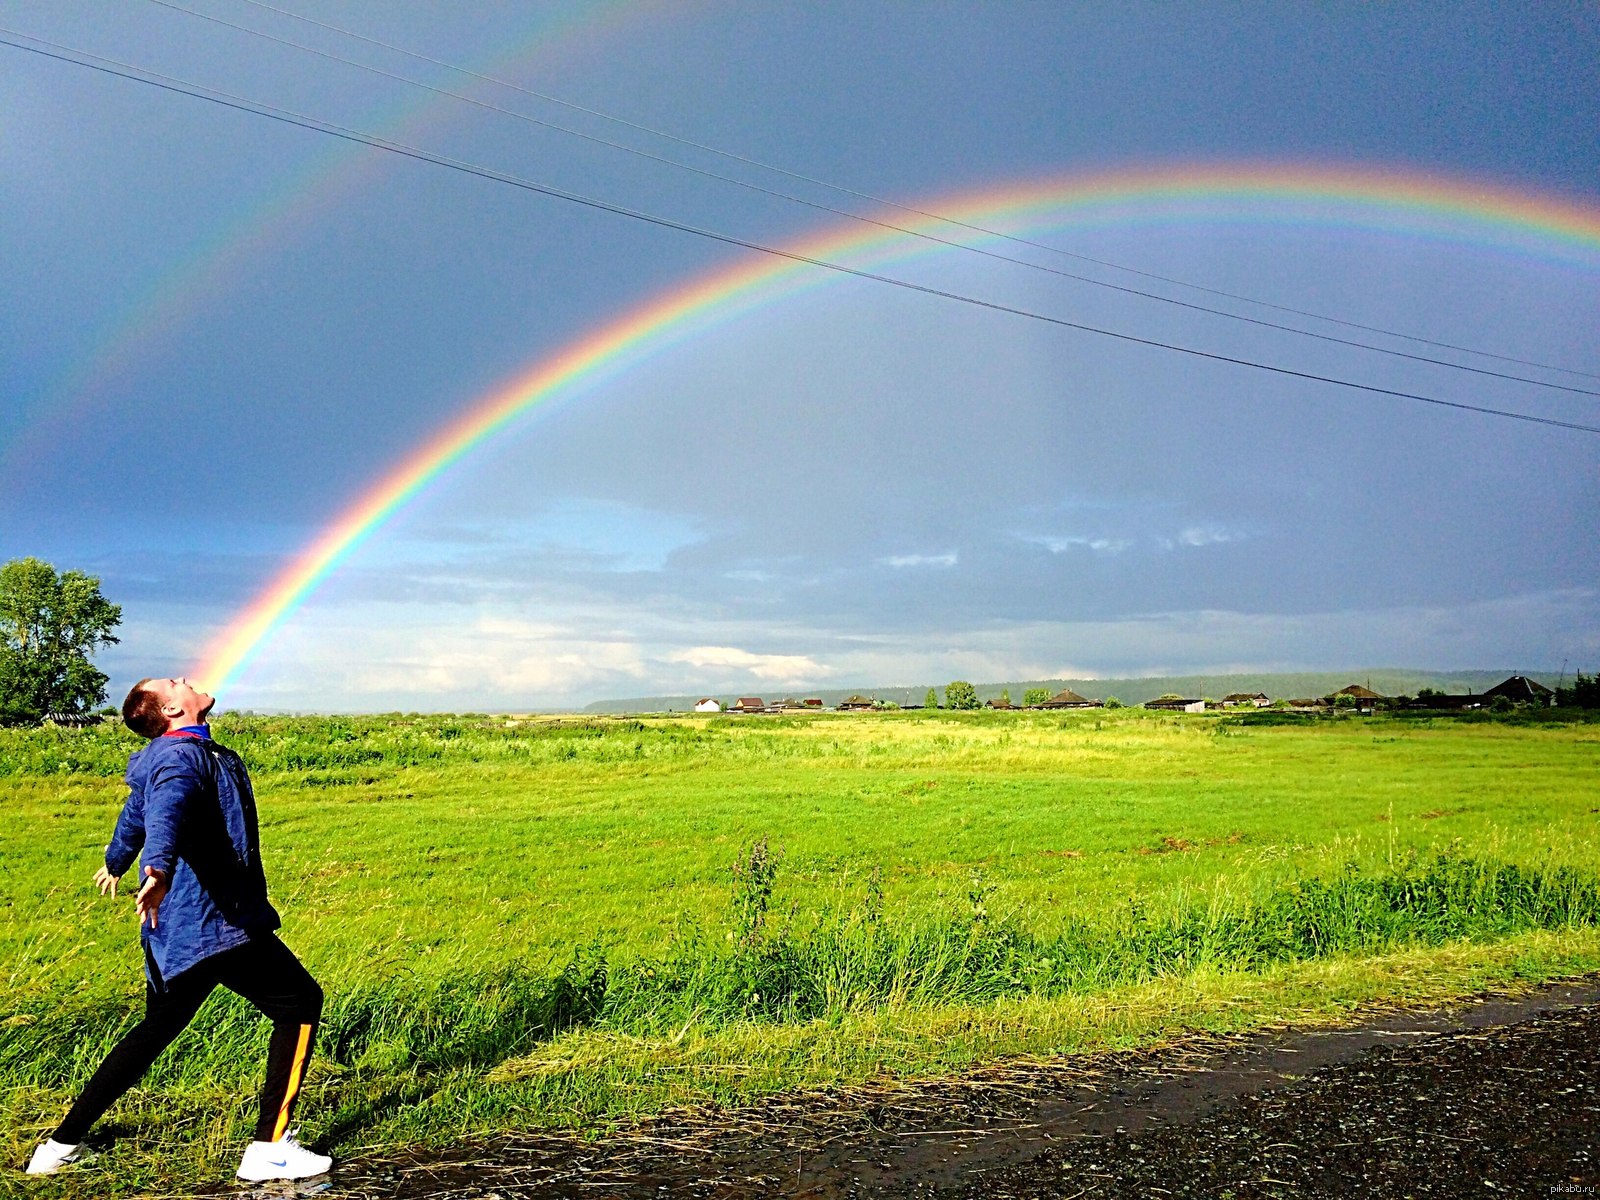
(170,83)
(886,225)
(868,196)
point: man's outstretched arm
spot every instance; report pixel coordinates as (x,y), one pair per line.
(127,838)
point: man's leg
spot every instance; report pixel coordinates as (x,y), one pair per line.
(166,1013)
(265,972)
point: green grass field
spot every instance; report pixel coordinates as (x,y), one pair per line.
(565,923)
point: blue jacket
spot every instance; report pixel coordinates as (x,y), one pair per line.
(191,809)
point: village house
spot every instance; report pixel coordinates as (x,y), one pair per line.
(1521,690)
(856,704)
(1246,700)
(1067,698)
(749,704)
(707,705)
(1176,705)
(1365,698)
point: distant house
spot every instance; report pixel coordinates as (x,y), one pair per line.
(1443,701)
(1067,698)
(1246,700)
(1308,702)
(1519,689)
(1366,699)
(789,704)
(708,705)
(1362,694)
(749,704)
(856,704)
(1522,690)
(1000,705)
(1188,706)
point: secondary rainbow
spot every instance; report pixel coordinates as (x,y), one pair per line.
(215,263)
(1408,203)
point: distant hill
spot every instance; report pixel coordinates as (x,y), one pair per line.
(1388,681)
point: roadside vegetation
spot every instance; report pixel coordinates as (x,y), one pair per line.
(566,923)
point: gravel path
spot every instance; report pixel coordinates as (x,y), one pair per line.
(1500,1097)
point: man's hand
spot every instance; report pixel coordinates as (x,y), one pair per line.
(151,894)
(107,882)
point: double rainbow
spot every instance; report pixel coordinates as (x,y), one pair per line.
(1407,203)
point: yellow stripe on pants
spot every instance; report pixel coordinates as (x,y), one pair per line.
(292,1088)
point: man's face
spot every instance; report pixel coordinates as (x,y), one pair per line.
(179,699)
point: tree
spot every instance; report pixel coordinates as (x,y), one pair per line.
(931,700)
(1005,697)
(1035,696)
(1584,692)
(960,694)
(50,623)
(1113,702)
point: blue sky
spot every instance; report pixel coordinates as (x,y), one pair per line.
(849,484)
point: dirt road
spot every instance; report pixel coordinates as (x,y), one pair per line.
(1500,1097)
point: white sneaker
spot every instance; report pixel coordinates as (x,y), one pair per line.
(284,1159)
(51,1157)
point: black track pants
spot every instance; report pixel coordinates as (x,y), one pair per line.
(265,972)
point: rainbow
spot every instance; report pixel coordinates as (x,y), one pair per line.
(214,263)
(1409,203)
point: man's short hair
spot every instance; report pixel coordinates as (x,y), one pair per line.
(141,711)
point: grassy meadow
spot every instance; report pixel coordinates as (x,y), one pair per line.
(568,922)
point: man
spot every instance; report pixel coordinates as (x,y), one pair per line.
(204,920)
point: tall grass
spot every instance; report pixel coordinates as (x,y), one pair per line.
(793,967)
(274,745)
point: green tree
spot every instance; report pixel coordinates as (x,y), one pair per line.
(931,700)
(1584,692)
(50,623)
(1035,696)
(1113,702)
(1005,697)
(960,694)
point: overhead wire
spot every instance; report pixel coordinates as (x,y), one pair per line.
(137,74)
(973,227)
(866,220)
